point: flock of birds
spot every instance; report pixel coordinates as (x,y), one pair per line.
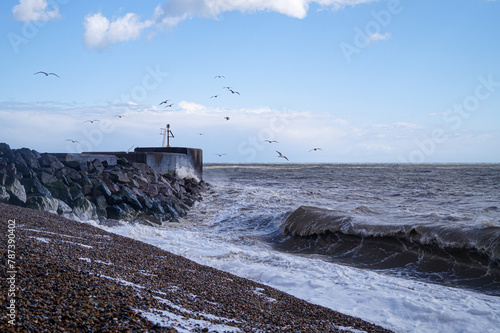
(169,105)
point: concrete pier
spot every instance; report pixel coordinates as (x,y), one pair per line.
(184,162)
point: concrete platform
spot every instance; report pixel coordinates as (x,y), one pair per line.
(185,162)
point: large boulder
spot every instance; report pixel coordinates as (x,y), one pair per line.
(64,210)
(34,187)
(130,198)
(117,213)
(31,157)
(4,196)
(50,161)
(84,210)
(43,203)
(16,191)
(46,175)
(60,191)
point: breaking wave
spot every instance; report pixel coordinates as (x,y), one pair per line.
(448,253)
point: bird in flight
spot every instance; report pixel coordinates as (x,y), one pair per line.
(72,141)
(314,149)
(227,118)
(227,88)
(46,74)
(91,121)
(271,141)
(169,105)
(164,102)
(220,155)
(281,155)
(119,116)
(219,77)
(233,92)
(200,133)
(214,96)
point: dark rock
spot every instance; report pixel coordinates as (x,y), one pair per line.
(34,187)
(43,203)
(72,164)
(97,167)
(119,177)
(46,177)
(60,191)
(16,191)
(31,157)
(145,201)
(71,173)
(76,191)
(127,209)
(4,196)
(64,210)
(130,198)
(4,148)
(115,212)
(114,199)
(22,166)
(84,209)
(112,186)
(86,185)
(101,205)
(102,189)
(48,160)
(157,208)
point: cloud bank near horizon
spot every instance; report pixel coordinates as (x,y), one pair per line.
(196,125)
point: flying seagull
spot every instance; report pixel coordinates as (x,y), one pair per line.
(169,105)
(219,77)
(227,118)
(72,141)
(281,155)
(228,88)
(91,121)
(271,141)
(164,102)
(214,96)
(234,92)
(220,155)
(46,74)
(119,116)
(314,149)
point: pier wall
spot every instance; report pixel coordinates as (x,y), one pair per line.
(184,162)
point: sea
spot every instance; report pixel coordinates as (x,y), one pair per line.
(409,247)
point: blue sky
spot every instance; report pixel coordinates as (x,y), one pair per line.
(365,81)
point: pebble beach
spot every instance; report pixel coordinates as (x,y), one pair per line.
(63,275)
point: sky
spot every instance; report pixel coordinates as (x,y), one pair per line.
(388,81)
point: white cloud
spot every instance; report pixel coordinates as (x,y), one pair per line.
(35,10)
(100,32)
(378,37)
